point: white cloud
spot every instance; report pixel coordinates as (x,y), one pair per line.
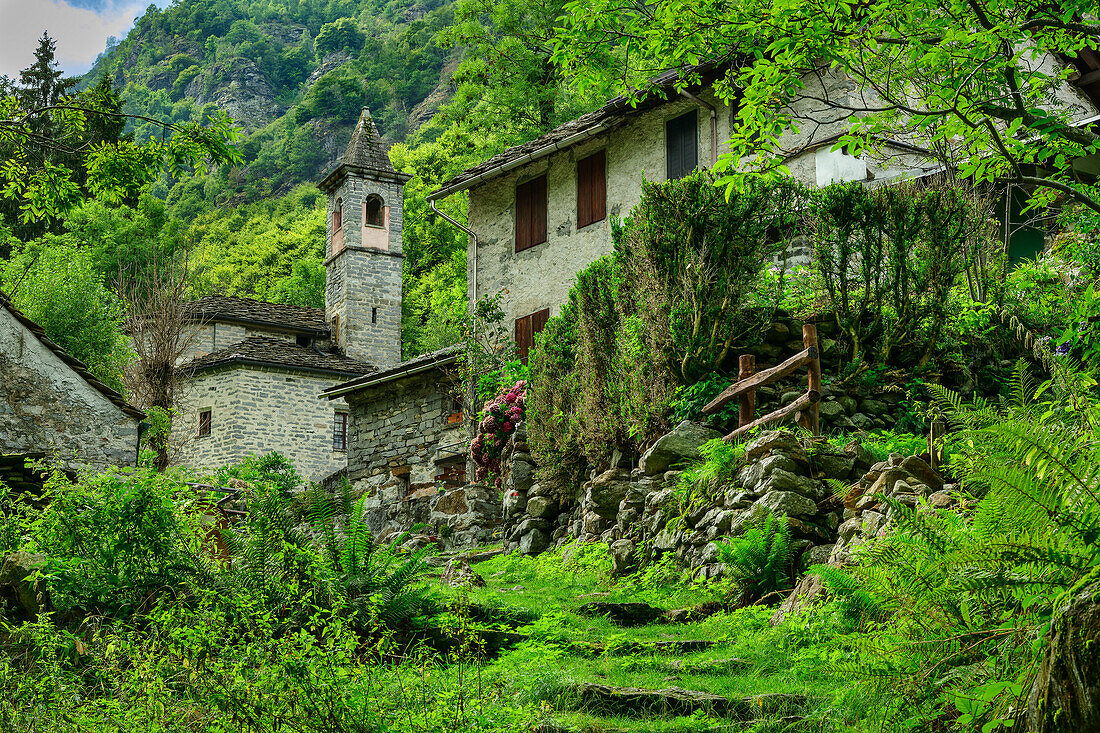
(80,34)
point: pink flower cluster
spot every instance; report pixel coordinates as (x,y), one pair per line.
(499,418)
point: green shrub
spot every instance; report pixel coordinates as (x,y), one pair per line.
(889,258)
(115,541)
(759,561)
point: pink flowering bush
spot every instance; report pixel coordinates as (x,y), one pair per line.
(499,418)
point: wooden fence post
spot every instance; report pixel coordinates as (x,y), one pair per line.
(813,373)
(746,405)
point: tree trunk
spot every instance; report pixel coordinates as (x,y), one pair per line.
(1065,697)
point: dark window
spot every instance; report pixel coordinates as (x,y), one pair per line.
(374,315)
(374,214)
(338,216)
(340,431)
(526,329)
(592,189)
(302,341)
(204,423)
(530,213)
(682,144)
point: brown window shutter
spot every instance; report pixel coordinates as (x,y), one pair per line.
(538,322)
(592,189)
(523,338)
(530,213)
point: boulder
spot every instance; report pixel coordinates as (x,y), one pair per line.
(831,410)
(1065,695)
(605,492)
(809,589)
(541,506)
(873,407)
(458,573)
(838,467)
(757,472)
(787,502)
(533,542)
(523,474)
(622,556)
(679,446)
(515,503)
(622,614)
(17,589)
(920,470)
(773,442)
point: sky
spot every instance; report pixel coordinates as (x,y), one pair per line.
(79,27)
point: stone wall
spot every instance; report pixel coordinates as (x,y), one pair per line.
(633,508)
(256,410)
(47,407)
(540,277)
(400,429)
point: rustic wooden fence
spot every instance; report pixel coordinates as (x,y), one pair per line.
(805,408)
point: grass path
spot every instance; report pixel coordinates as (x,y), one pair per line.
(789,676)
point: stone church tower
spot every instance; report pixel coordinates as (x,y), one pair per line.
(363,249)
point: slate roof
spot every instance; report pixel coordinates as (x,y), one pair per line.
(424,362)
(612,114)
(275,352)
(224,308)
(365,153)
(71,361)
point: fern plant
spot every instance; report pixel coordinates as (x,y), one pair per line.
(315,550)
(961,602)
(759,560)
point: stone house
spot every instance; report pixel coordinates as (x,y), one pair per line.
(254,371)
(52,407)
(540,212)
(406,426)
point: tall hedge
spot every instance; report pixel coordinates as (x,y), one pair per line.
(662,310)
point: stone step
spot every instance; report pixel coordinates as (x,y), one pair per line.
(676,701)
(627,648)
(680,666)
(639,614)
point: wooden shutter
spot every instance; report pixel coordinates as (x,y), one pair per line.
(592,189)
(531,213)
(682,144)
(526,328)
(523,338)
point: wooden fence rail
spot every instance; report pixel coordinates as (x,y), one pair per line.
(805,408)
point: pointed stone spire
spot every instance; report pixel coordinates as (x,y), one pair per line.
(365,149)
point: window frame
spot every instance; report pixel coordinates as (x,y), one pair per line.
(381,211)
(531,230)
(678,125)
(340,432)
(585,175)
(206,422)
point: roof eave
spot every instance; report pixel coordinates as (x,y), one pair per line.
(367,381)
(247,361)
(333,179)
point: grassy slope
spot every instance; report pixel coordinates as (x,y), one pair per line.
(748,657)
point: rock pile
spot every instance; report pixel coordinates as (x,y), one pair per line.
(907,480)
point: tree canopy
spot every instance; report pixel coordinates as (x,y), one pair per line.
(983,84)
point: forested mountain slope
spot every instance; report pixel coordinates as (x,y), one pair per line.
(293,74)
